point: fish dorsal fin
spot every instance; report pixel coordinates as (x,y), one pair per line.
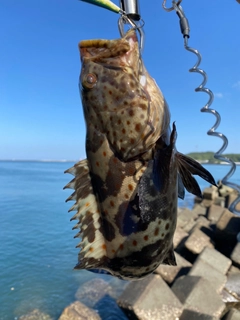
(188,167)
(92,245)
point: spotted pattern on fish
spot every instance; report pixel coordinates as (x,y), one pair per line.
(126,190)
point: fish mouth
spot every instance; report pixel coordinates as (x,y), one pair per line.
(115,54)
(100,50)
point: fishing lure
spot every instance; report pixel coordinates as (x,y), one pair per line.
(126,190)
(106,4)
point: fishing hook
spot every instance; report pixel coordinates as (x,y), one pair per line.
(123,20)
(130,15)
(185,29)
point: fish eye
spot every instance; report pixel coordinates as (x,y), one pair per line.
(89,81)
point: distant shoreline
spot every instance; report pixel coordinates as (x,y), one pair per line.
(65,161)
(210,157)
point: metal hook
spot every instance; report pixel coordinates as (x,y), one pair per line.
(123,20)
(131,15)
(172,8)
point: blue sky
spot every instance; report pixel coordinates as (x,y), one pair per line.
(40,109)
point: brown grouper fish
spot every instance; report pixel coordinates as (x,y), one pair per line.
(126,190)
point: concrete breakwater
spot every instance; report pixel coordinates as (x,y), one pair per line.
(205,284)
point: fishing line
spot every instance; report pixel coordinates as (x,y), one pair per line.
(185,29)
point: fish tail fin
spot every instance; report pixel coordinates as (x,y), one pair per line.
(92,245)
(187,167)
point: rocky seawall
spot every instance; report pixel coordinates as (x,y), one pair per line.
(205,284)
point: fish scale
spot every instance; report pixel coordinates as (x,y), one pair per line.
(126,190)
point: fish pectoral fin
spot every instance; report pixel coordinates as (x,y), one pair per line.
(170,258)
(92,243)
(181,189)
(188,167)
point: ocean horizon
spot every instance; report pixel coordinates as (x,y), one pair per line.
(76,160)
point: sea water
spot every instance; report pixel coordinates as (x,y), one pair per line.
(37,249)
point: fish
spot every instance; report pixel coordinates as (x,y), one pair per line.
(126,190)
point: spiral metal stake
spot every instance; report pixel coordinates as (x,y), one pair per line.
(201,88)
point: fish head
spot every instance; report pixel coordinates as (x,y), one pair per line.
(120,99)
(100,55)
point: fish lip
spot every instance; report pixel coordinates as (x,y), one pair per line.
(98,49)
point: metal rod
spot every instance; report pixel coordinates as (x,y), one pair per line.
(131,8)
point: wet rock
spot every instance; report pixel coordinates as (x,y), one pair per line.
(108,309)
(150,299)
(35,315)
(197,295)
(184,217)
(197,241)
(78,311)
(235,256)
(170,273)
(232,315)
(233,285)
(189,226)
(208,272)
(224,190)
(190,315)
(198,200)
(215,259)
(117,287)
(228,226)
(210,193)
(203,224)
(233,269)
(219,201)
(179,238)
(199,210)
(214,213)
(229,300)
(207,203)
(92,291)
